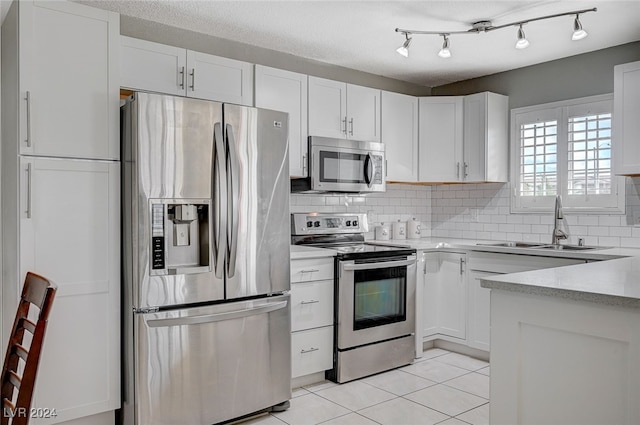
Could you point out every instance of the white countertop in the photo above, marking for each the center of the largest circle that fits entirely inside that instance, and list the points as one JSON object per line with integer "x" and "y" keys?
{"x": 615, "y": 281}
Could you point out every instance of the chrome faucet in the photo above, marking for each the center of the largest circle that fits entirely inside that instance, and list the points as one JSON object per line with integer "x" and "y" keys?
{"x": 558, "y": 234}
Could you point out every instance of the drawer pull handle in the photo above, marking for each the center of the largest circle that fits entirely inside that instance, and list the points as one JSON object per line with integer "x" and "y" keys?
{"x": 310, "y": 350}
{"x": 309, "y": 271}
{"x": 309, "y": 302}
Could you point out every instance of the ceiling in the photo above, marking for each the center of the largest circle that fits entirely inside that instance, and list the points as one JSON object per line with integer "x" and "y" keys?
{"x": 360, "y": 34}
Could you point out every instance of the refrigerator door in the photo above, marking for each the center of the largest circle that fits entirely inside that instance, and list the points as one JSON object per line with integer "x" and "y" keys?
{"x": 171, "y": 146}
{"x": 210, "y": 364}
{"x": 258, "y": 228}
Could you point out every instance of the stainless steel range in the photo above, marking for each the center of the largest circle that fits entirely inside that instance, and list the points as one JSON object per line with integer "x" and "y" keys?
{"x": 375, "y": 289}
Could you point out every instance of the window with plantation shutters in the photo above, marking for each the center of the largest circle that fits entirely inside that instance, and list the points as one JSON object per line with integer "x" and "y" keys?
{"x": 564, "y": 148}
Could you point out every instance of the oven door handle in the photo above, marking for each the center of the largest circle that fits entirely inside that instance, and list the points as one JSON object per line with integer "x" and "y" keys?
{"x": 386, "y": 264}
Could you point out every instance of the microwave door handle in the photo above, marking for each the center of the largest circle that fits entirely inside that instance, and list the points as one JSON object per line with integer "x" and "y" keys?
{"x": 369, "y": 170}
{"x": 220, "y": 197}
{"x": 234, "y": 195}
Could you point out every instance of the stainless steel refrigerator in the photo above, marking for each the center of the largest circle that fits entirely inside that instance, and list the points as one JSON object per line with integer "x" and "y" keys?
{"x": 206, "y": 260}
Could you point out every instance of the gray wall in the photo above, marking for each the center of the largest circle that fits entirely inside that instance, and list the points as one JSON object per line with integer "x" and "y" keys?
{"x": 147, "y": 30}
{"x": 568, "y": 78}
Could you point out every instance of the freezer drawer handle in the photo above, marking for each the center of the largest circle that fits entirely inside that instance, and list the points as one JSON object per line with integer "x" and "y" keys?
{"x": 310, "y": 350}
{"x": 217, "y": 317}
{"x": 370, "y": 266}
{"x": 188, "y": 270}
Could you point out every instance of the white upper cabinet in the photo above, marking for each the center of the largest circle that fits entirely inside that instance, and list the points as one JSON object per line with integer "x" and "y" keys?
{"x": 343, "y": 110}
{"x": 67, "y": 56}
{"x": 151, "y": 66}
{"x": 464, "y": 138}
{"x": 441, "y": 129}
{"x": 165, "y": 69}
{"x": 400, "y": 136}
{"x": 486, "y": 137}
{"x": 286, "y": 91}
{"x": 626, "y": 122}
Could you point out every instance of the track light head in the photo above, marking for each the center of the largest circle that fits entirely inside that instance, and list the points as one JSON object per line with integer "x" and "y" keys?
{"x": 578, "y": 32}
{"x": 404, "y": 49}
{"x": 522, "y": 42}
{"x": 445, "y": 52}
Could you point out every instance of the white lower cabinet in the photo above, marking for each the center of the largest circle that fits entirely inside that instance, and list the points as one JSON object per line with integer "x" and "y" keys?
{"x": 479, "y": 315}
{"x": 445, "y": 296}
{"x": 311, "y": 316}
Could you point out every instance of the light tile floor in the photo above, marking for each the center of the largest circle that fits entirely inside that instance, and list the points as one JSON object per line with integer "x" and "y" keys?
{"x": 440, "y": 388}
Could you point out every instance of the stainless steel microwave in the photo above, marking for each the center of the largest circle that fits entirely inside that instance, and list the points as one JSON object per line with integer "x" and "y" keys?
{"x": 342, "y": 165}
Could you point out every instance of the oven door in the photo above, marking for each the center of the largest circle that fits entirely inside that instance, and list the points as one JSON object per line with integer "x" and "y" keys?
{"x": 348, "y": 170}
{"x": 376, "y": 300}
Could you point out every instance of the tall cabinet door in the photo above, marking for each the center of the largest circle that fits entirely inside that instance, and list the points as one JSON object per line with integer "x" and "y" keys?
{"x": 327, "y": 108}
{"x": 452, "y": 307}
{"x": 626, "y": 154}
{"x": 363, "y": 113}
{"x": 155, "y": 67}
{"x": 400, "y": 136}
{"x": 221, "y": 79}
{"x": 67, "y": 58}
{"x": 287, "y": 92}
{"x": 441, "y": 131}
{"x": 70, "y": 233}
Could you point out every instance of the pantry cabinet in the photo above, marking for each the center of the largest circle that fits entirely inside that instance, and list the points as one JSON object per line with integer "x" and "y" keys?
{"x": 400, "y": 136}
{"x": 343, "y": 111}
{"x": 311, "y": 316}
{"x": 66, "y": 79}
{"x": 61, "y": 196}
{"x": 464, "y": 138}
{"x": 626, "y": 98}
{"x": 149, "y": 66}
{"x": 286, "y": 91}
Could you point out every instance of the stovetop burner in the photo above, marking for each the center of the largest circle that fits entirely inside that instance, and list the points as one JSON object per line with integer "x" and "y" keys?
{"x": 341, "y": 232}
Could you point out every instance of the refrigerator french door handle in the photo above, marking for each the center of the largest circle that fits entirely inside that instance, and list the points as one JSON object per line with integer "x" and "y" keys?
{"x": 217, "y": 317}
{"x": 234, "y": 194}
{"x": 220, "y": 189}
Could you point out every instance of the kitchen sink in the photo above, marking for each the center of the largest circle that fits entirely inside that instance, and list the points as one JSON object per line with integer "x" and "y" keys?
{"x": 515, "y": 244}
{"x": 568, "y": 247}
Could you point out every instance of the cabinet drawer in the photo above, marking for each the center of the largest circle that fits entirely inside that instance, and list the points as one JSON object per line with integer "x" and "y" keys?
{"x": 311, "y": 351}
{"x": 306, "y": 270}
{"x": 511, "y": 263}
{"x": 311, "y": 304}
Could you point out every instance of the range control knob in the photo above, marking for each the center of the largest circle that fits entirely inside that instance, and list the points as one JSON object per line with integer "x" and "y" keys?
{"x": 309, "y": 223}
{"x": 355, "y": 223}
{"x": 316, "y": 224}
{"x": 348, "y": 223}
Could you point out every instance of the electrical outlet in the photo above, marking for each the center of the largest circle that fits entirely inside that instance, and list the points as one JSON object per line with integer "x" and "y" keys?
{"x": 474, "y": 212}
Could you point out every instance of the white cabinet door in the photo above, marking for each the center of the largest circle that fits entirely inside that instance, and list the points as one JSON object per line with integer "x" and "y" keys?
{"x": 220, "y": 79}
{"x": 452, "y": 307}
{"x": 445, "y": 295}
{"x": 155, "y": 67}
{"x": 479, "y": 318}
{"x": 70, "y": 233}
{"x": 68, "y": 68}
{"x": 486, "y": 142}
{"x": 327, "y": 108}
{"x": 626, "y": 151}
{"x": 363, "y": 112}
{"x": 400, "y": 136}
{"x": 440, "y": 145}
{"x": 286, "y": 91}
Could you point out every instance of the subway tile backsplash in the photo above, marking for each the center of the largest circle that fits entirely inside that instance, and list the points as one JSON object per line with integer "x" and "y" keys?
{"x": 478, "y": 211}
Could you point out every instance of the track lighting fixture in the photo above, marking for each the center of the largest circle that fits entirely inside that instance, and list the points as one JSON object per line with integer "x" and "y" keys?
{"x": 485, "y": 26}
{"x": 445, "y": 52}
{"x": 522, "y": 42}
{"x": 404, "y": 49}
{"x": 578, "y": 32}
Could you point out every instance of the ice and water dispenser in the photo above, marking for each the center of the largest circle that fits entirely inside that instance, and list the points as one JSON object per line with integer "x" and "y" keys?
{"x": 180, "y": 242}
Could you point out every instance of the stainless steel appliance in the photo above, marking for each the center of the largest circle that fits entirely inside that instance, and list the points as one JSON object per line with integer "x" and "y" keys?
{"x": 375, "y": 289}
{"x": 342, "y": 165}
{"x": 206, "y": 261}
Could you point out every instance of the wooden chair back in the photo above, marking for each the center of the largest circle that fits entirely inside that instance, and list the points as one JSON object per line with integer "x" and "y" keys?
{"x": 23, "y": 352}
